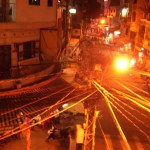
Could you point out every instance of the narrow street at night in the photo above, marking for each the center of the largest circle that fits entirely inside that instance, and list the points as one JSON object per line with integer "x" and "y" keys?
{"x": 105, "y": 124}
{"x": 74, "y": 74}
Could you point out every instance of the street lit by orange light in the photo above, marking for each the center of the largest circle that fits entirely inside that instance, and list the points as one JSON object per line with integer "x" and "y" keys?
{"x": 122, "y": 63}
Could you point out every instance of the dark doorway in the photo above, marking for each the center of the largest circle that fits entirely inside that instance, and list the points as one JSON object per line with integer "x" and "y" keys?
{"x": 27, "y": 48}
{"x": 5, "y": 61}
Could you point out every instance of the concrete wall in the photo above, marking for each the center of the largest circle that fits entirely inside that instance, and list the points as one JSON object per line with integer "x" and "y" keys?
{"x": 11, "y": 83}
{"x": 49, "y": 44}
{"x": 35, "y": 13}
{"x": 18, "y": 36}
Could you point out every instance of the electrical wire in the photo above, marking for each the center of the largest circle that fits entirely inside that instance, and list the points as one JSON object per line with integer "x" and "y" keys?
{"x": 127, "y": 105}
{"x": 107, "y": 145}
{"x": 67, "y": 100}
{"x": 113, "y": 114}
{"x": 23, "y": 127}
{"x": 139, "y": 129}
{"x": 140, "y": 97}
{"x": 141, "y": 90}
{"x": 33, "y": 102}
{"x": 140, "y": 121}
{"x": 133, "y": 99}
{"x": 105, "y": 96}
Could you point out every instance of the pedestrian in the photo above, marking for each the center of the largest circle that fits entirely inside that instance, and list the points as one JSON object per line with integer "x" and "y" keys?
{"x": 51, "y": 133}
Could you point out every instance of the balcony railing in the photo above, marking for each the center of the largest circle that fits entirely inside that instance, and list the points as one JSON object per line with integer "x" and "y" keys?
{"x": 23, "y": 71}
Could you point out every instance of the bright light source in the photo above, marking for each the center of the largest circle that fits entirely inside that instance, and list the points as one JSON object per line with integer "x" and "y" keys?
{"x": 64, "y": 105}
{"x": 132, "y": 62}
{"x": 116, "y": 32}
{"x": 125, "y": 12}
{"x": 107, "y": 28}
{"x": 72, "y": 10}
{"x": 110, "y": 35}
{"x": 122, "y": 63}
{"x": 102, "y": 21}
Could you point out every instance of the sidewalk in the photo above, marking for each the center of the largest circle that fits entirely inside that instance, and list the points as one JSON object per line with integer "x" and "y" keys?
{"x": 38, "y": 136}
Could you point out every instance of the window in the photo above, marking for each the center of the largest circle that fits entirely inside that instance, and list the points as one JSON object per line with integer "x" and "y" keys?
{"x": 29, "y": 49}
{"x": 134, "y": 1}
{"x": 34, "y": 2}
{"x": 50, "y": 2}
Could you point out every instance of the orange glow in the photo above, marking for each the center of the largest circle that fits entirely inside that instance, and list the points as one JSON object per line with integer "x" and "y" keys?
{"x": 122, "y": 63}
{"x": 102, "y": 21}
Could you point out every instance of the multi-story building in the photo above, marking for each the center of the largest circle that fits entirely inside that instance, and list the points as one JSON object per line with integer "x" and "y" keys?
{"x": 133, "y": 16}
{"x": 112, "y": 10}
{"x": 76, "y": 19}
{"x": 30, "y": 34}
{"x": 139, "y": 30}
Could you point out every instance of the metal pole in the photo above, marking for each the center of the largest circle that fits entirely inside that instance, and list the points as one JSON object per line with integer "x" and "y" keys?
{"x": 66, "y": 21}
{"x": 90, "y": 124}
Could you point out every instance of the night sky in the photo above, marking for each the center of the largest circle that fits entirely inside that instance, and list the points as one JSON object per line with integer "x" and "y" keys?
{"x": 93, "y": 9}
{"x": 115, "y": 3}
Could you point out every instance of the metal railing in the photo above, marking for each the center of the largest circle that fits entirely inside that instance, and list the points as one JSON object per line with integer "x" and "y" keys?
{"x": 23, "y": 71}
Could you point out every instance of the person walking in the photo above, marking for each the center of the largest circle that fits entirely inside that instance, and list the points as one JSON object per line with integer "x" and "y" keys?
{"x": 51, "y": 133}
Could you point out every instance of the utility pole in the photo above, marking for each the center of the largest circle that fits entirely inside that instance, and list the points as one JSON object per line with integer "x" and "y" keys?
{"x": 66, "y": 21}
{"x": 91, "y": 114}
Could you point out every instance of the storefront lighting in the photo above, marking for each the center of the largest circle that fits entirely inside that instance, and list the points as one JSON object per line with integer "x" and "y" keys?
{"x": 110, "y": 35}
{"x": 102, "y": 21}
{"x": 125, "y": 12}
{"x": 129, "y": 45}
{"x": 72, "y": 10}
{"x": 107, "y": 28}
{"x": 116, "y": 32}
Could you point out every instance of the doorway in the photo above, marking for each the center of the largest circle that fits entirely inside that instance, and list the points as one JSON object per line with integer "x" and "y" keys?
{"x": 5, "y": 61}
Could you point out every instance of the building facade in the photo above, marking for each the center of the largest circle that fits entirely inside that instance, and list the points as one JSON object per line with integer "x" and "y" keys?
{"x": 133, "y": 17}
{"x": 139, "y": 31}
{"x": 30, "y": 34}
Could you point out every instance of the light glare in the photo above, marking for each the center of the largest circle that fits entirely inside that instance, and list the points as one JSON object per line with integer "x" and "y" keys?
{"x": 72, "y": 11}
{"x": 122, "y": 64}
